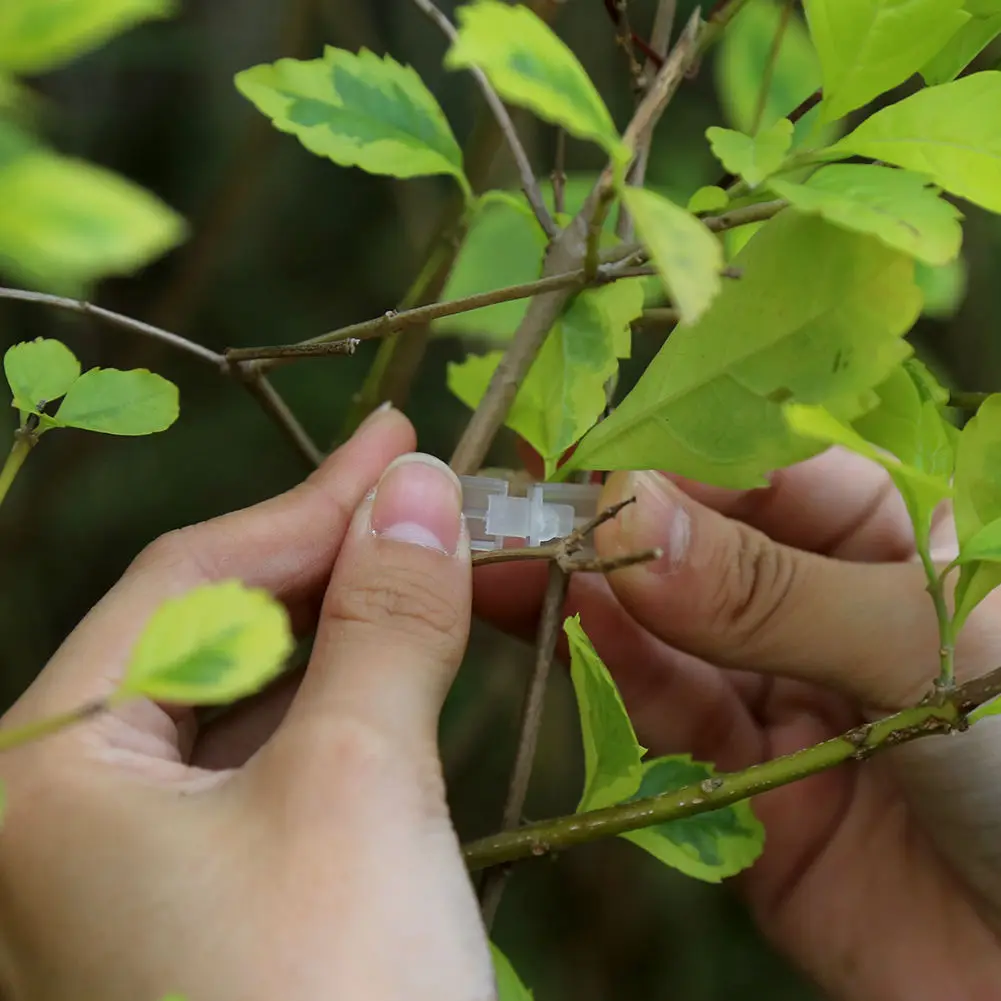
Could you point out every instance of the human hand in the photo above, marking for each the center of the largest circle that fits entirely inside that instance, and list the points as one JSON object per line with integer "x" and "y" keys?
{"x": 779, "y": 618}
{"x": 300, "y": 848}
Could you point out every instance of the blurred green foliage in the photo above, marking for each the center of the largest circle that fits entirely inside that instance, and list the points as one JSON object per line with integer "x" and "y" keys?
{"x": 283, "y": 246}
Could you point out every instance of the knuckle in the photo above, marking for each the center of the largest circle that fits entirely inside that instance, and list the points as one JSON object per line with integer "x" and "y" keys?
{"x": 402, "y": 600}
{"x": 174, "y": 548}
{"x": 755, "y": 583}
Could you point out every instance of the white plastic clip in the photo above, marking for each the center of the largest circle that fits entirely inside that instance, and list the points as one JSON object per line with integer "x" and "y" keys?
{"x": 547, "y": 511}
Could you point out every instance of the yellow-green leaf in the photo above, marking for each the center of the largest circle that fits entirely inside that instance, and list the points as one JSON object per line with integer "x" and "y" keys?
{"x": 971, "y": 39}
{"x": 37, "y": 35}
{"x": 817, "y": 317}
{"x": 977, "y": 502}
{"x": 896, "y": 206}
{"x": 509, "y": 985}
{"x": 867, "y": 47}
{"x": 943, "y": 287}
{"x": 528, "y": 65}
{"x": 39, "y": 372}
{"x": 612, "y": 755}
{"x": 65, "y": 223}
{"x": 709, "y": 846}
{"x": 708, "y": 199}
{"x": 752, "y": 157}
{"x": 688, "y": 256}
{"x": 950, "y": 133}
{"x": 358, "y": 110}
{"x": 215, "y": 644}
{"x": 109, "y": 401}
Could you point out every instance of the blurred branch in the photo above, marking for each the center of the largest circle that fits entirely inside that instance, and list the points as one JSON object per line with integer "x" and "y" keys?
{"x": 256, "y": 383}
{"x": 967, "y": 401}
{"x": 935, "y": 715}
{"x": 769, "y": 73}
{"x": 529, "y": 183}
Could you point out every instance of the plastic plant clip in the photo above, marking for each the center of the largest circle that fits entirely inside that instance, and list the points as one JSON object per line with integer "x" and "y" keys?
{"x": 498, "y": 519}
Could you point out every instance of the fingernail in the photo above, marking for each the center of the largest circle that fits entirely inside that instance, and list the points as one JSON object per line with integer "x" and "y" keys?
{"x": 375, "y": 416}
{"x": 658, "y": 520}
{"x": 419, "y": 500}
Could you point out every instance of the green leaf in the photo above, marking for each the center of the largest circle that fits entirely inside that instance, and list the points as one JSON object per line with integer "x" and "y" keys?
{"x": 509, "y": 985}
{"x": 922, "y": 490}
{"x": 971, "y": 39}
{"x": 741, "y": 67}
{"x": 215, "y": 644}
{"x": 359, "y": 111}
{"x": 710, "y": 846}
{"x": 688, "y": 256}
{"x": 65, "y": 223}
{"x": 867, "y": 47}
{"x": 708, "y": 199}
{"x": 612, "y": 755}
{"x": 943, "y": 287}
{"x": 39, "y": 372}
{"x": 984, "y": 545}
{"x": 528, "y": 65}
{"x": 125, "y": 403}
{"x": 752, "y": 157}
{"x": 951, "y": 133}
{"x": 896, "y": 206}
{"x": 37, "y": 35}
{"x": 816, "y": 317}
{"x": 977, "y": 503}
{"x": 564, "y": 392}
{"x": 504, "y": 247}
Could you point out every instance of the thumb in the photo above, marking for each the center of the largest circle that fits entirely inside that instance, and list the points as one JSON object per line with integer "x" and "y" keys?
{"x": 395, "y": 619}
{"x": 729, "y": 593}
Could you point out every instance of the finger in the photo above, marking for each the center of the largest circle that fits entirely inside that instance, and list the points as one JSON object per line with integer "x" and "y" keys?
{"x": 395, "y": 618}
{"x": 286, "y": 545}
{"x": 727, "y": 592}
{"x": 836, "y": 503}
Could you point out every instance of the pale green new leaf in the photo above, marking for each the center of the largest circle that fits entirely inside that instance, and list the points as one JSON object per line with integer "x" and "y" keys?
{"x": 509, "y": 985}
{"x": 896, "y": 206}
{"x": 943, "y": 287}
{"x": 709, "y": 846}
{"x": 564, "y": 392}
{"x": 752, "y": 157}
{"x": 977, "y": 504}
{"x": 971, "y": 39}
{"x": 39, "y": 372}
{"x": 37, "y": 35}
{"x": 612, "y": 755}
{"x": 65, "y": 223}
{"x": 688, "y": 256}
{"x": 922, "y": 491}
{"x": 950, "y": 133}
{"x": 109, "y": 401}
{"x": 817, "y": 317}
{"x": 528, "y": 65}
{"x": 359, "y": 110}
{"x": 708, "y": 199}
{"x": 741, "y": 68}
{"x": 867, "y": 47}
{"x": 215, "y": 644}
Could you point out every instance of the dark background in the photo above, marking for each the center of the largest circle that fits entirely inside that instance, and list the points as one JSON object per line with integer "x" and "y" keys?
{"x": 286, "y": 246}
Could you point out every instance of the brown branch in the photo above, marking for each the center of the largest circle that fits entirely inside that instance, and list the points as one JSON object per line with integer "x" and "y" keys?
{"x": 529, "y": 183}
{"x": 274, "y": 405}
{"x": 559, "y": 174}
{"x": 625, "y": 36}
{"x": 758, "y": 212}
{"x": 935, "y": 715}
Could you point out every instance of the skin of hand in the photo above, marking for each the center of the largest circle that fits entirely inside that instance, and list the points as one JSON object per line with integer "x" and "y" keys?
{"x": 301, "y": 849}
{"x": 779, "y": 618}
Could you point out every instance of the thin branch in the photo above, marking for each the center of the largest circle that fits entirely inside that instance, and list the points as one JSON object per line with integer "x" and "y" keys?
{"x": 529, "y": 183}
{"x": 769, "y": 73}
{"x": 967, "y": 401}
{"x": 936, "y": 715}
{"x": 758, "y": 212}
{"x": 275, "y": 407}
{"x": 559, "y": 175}
{"x": 117, "y": 320}
{"x": 805, "y": 106}
{"x": 624, "y": 33}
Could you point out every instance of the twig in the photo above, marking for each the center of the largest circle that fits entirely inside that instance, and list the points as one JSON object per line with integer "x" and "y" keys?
{"x": 116, "y": 320}
{"x": 758, "y": 212}
{"x": 769, "y": 73}
{"x": 529, "y": 183}
{"x": 967, "y": 401}
{"x": 936, "y": 715}
{"x": 275, "y": 406}
{"x": 805, "y": 106}
{"x": 559, "y": 175}
{"x": 624, "y": 32}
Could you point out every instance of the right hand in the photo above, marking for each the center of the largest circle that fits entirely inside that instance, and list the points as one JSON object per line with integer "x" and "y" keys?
{"x": 777, "y": 619}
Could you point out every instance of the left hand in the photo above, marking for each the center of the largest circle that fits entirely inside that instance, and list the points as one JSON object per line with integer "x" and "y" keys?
{"x": 297, "y": 850}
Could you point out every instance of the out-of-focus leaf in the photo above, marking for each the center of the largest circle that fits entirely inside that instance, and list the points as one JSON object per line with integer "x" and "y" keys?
{"x": 752, "y": 157}
{"x": 509, "y": 985}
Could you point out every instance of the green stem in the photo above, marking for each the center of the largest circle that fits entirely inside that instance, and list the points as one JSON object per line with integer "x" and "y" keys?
{"x": 23, "y": 443}
{"x": 936, "y": 715}
{"x": 947, "y": 640}
{"x": 20, "y": 735}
